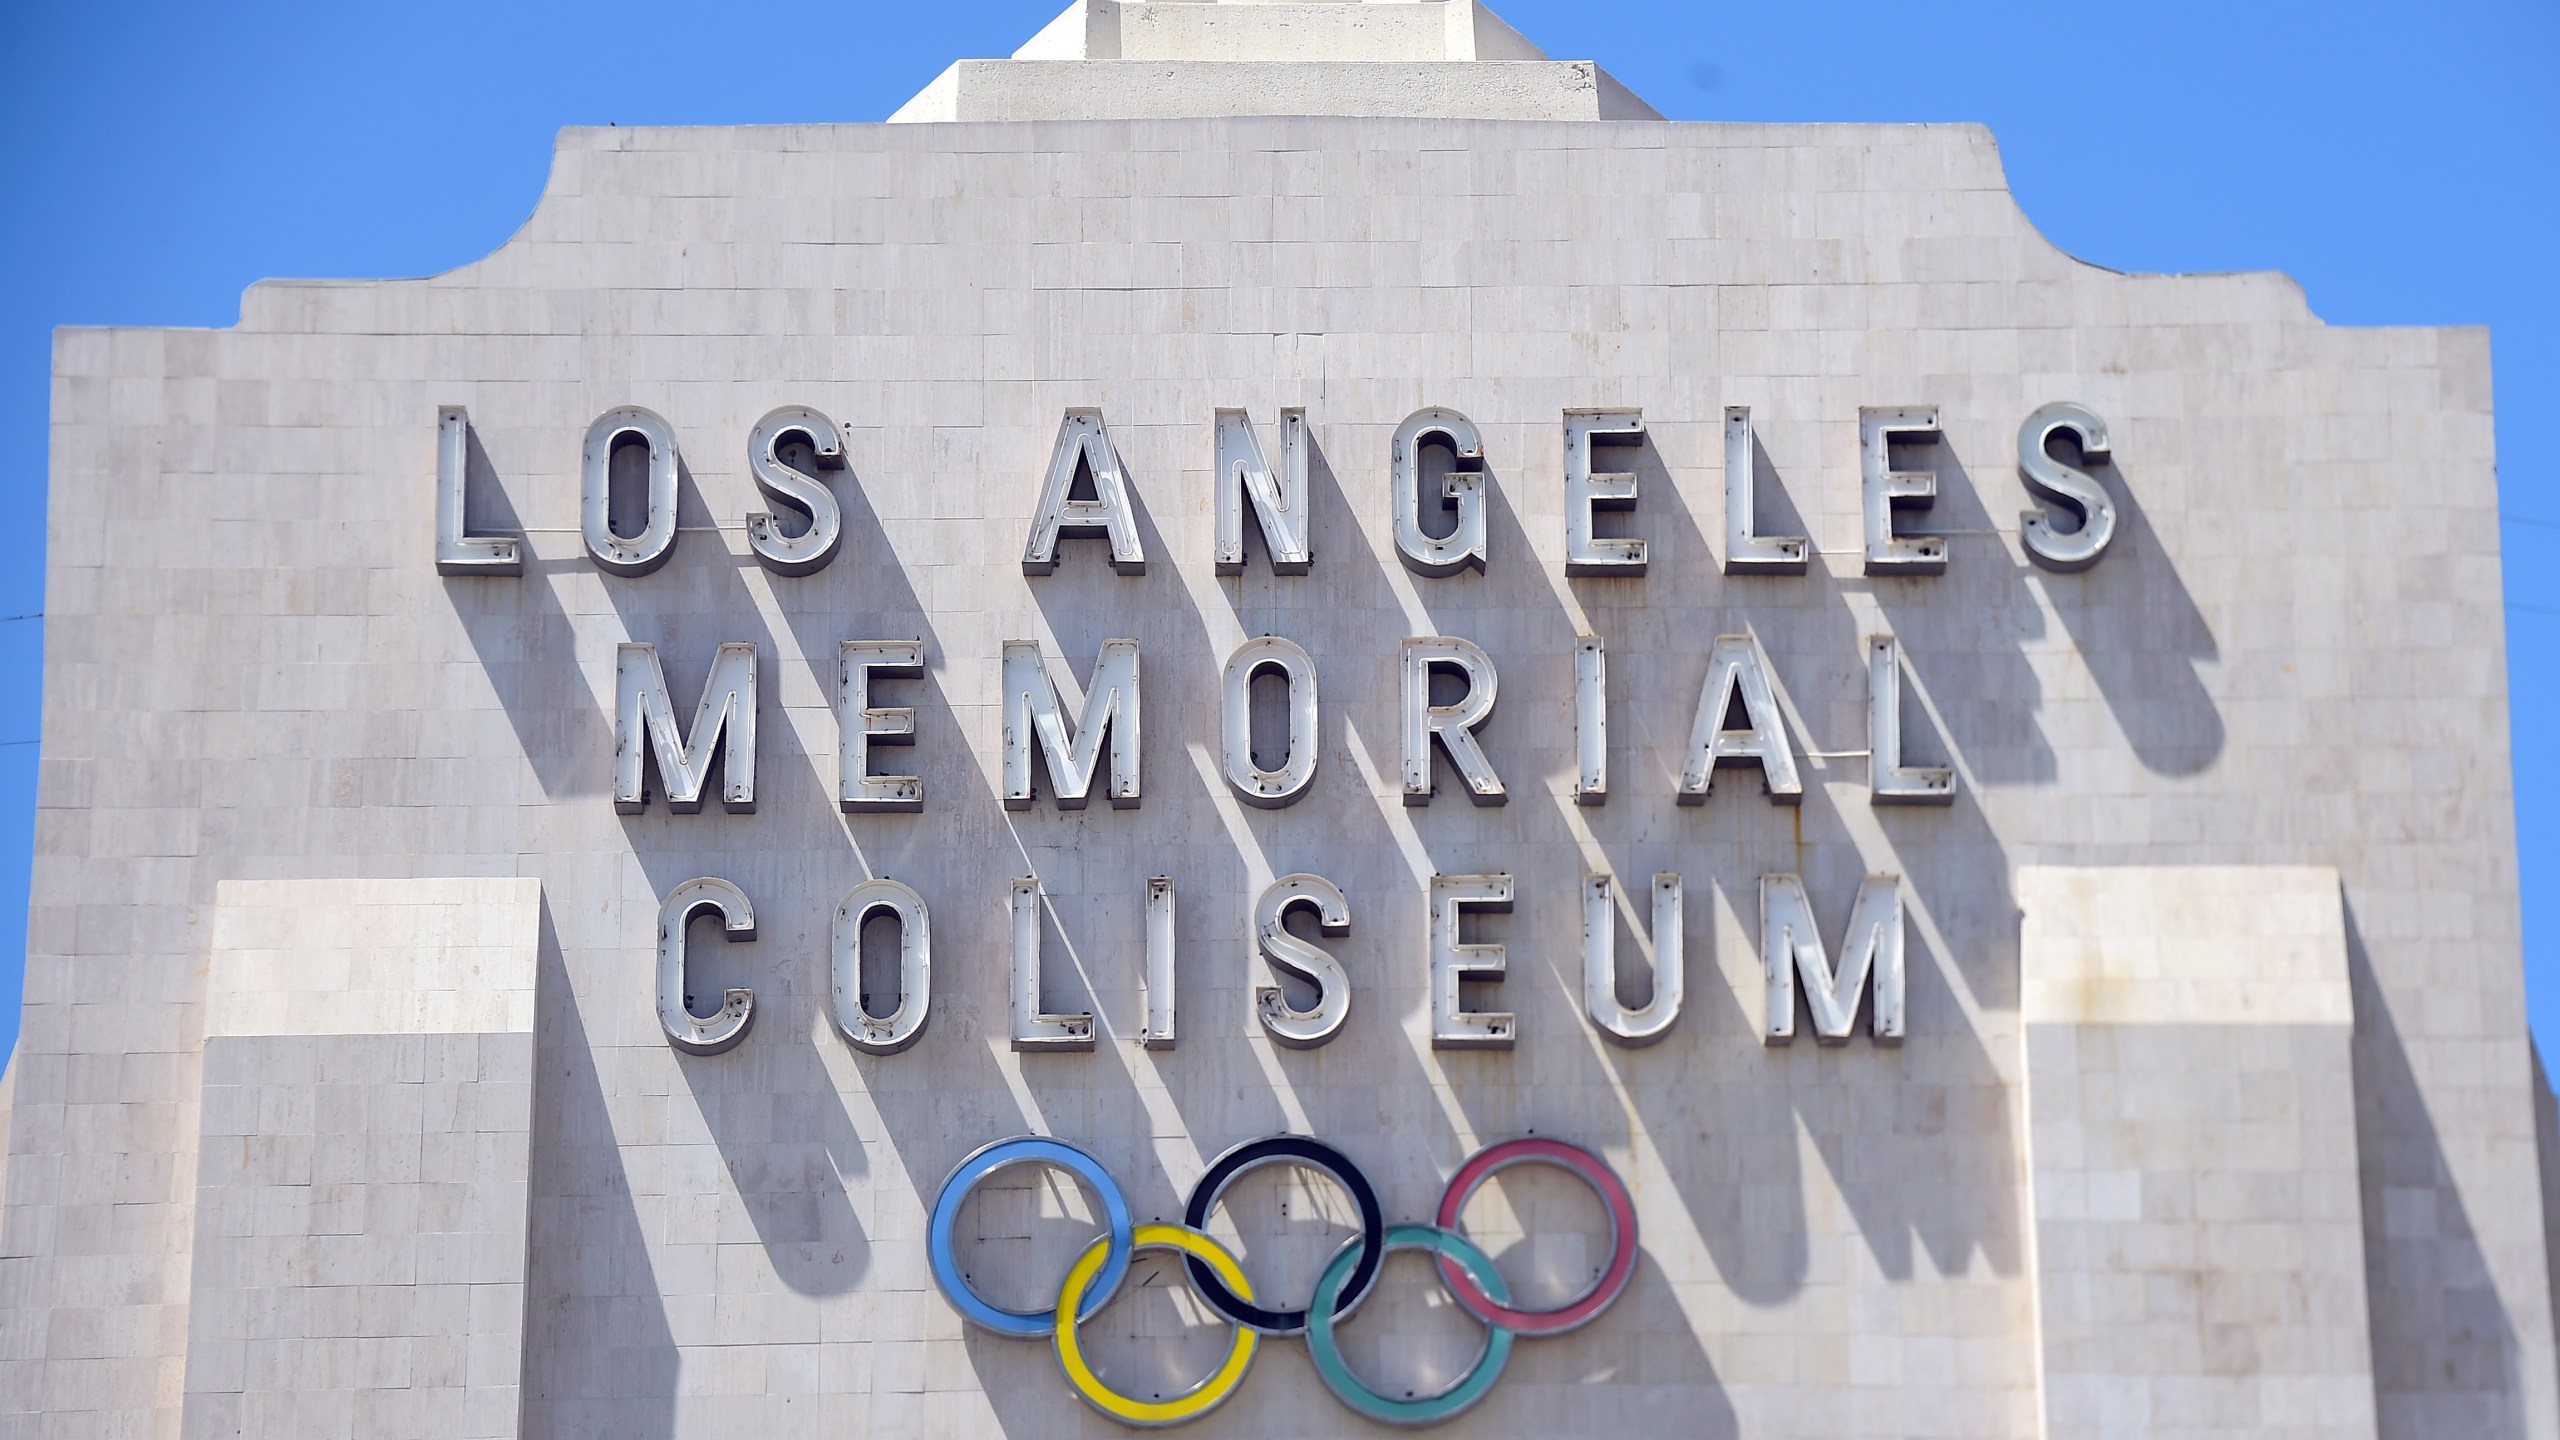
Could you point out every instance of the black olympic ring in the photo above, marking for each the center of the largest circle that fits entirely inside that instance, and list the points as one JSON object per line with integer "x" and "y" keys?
{"x": 1285, "y": 1150}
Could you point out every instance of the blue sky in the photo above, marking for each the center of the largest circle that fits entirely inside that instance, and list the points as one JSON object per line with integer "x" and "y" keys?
{"x": 2396, "y": 159}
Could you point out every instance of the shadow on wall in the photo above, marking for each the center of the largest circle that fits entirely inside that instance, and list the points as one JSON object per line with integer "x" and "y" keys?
{"x": 1652, "y": 1378}
{"x": 782, "y": 1130}
{"x": 2129, "y": 618}
{"x": 1366, "y": 1090}
{"x": 599, "y": 1358}
{"x": 1970, "y": 694}
{"x": 1876, "y": 1115}
{"x": 528, "y": 648}
{"x": 791, "y": 1153}
{"x": 2444, "y": 1352}
{"x": 2141, "y": 635}
{"x": 1092, "y": 863}
{"x": 1968, "y": 634}
{"x": 1370, "y": 1090}
{"x": 928, "y": 1117}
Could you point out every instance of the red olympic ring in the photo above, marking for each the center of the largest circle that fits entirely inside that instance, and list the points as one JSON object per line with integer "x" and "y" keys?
{"x": 1595, "y": 1173}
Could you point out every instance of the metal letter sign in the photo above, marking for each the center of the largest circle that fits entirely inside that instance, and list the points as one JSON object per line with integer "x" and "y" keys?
{"x": 2053, "y": 480}
{"x": 1586, "y": 552}
{"x": 860, "y": 724}
{"x": 1303, "y": 959}
{"x": 1082, "y": 438}
{"x": 1448, "y": 554}
{"x": 1590, "y": 721}
{"x": 895, "y": 1031}
{"x": 1616, "y": 1020}
{"x": 1889, "y": 492}
{"x": 694, "y": 1034}
{"x": 1746, "y": 550}
{"x": 1791, "y": 945}
{"x": 808, "y": 552}
{"x": 1279, "y": 501}
{"x": 644, "y": 726}
{"x": 1735, "y": 671}
{"x": 1160, "y": 974}
{"x": 1033, "y": 720}
{"x": 1889, "y": 781}
{"x": 1454, "y": 724}
{"x": 1033, "y": 1027}
{"x": 1741, "y": 721}
{"x": 1270, "y": 789}
{"x": 639, "y": 554}
{"x": 1455, "y": 961}
{"x": 457, "y": 551}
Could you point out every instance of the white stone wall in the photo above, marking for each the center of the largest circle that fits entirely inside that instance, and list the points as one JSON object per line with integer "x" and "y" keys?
{"x": 2192, "y": 1136}
{"x": 2292, "y": 657}
{"x": 361, "y": 1197}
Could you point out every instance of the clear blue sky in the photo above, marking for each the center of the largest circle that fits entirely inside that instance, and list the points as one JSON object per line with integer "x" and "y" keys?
{"x": 2397, "y": 159}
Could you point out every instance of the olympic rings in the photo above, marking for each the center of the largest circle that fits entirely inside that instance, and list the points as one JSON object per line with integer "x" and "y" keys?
{"x": 1452, "y": 1248}
{"x": 1200, "y": 1399}
{"x": 1464, "y": 1268}
{"x": 1003, "y": 1154}
{"x": 1495, "y": 1309}
{"x": 1286, "y": 1150}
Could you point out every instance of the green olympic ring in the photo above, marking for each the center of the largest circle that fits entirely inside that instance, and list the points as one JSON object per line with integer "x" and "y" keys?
{"x": 1350, "y": 1389}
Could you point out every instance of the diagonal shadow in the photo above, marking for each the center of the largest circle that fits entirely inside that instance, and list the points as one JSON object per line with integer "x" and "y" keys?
{"x": 2444, "y": 1351}
{"x": 528, "y": 647}
{"x": 2132, "y": 620}
{"x": 600, "y": 1358}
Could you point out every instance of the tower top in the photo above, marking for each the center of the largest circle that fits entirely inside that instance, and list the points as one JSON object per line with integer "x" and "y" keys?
{"x": 1163, "y": 59}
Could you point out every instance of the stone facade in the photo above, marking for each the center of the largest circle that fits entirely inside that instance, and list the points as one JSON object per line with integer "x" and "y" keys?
{"x": 2199, "y": 1237}
{"x": 360, "y": 1201}
{"x": 2096, "y": 1190}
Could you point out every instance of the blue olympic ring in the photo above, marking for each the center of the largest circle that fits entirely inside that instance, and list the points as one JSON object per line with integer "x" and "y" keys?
{"x": 1027, "y": 1150}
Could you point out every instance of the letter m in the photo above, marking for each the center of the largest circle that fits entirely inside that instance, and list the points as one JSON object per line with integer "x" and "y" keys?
{"x": 1033, "y": 719}
{"x": 644, "y": 724}
{"x": 1791, "y": 946}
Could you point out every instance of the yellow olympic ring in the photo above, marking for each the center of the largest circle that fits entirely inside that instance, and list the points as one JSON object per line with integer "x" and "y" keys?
{"x": 1201, "y": 1398}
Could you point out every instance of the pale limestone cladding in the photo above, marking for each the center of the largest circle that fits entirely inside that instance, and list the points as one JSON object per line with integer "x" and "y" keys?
{"x": 2292, "y": 657}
